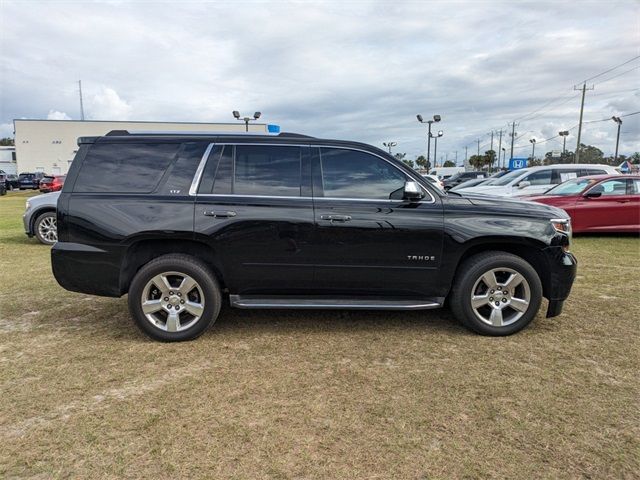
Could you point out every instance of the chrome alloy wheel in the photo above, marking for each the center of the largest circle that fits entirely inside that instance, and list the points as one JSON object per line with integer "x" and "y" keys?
{"x": 172, "y": 301}
{"x": 500, "y": 297}
{"x": 48, "y": 229}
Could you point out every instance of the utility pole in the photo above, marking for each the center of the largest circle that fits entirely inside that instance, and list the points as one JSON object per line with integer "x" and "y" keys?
{"x": 584, "y": 90}
{"x": 81, "y": 104}
{"x": 513, "y": 135}
{"x": 466, "y": 154}
{"x": 499, "y": 147}
{"x": 456, "y": 158}
{"x": 618, "y": 120}
{"x": 478, "y": 146}
{"x": 492, "y": 156}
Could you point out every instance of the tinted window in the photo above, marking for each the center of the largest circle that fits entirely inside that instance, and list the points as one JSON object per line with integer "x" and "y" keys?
{"x": 611, "y": 188}
{"x": 266, "y": 170}
{"x": 124, "y": 167}
{"x": 224, "y": 172}
{"x": 353, "y": 174}
{"x": 594, "y": 171}
{"x": 543, "y": 177}
{"x": 181, "y": 173}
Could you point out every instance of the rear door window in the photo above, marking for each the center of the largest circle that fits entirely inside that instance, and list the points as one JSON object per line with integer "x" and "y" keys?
{"x": 542, "y": 177}
{"x": 125, "y": 167}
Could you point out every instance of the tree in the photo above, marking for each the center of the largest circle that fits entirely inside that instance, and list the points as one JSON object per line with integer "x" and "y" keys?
{"x": 635, "y": 158}
{"x": 449, "y": 163}
{"x": 408, "y": 162}
{"x": 477, "y": 161}
{"x": 490, "y": 157}
{"x": 7, "y": 142}
{"x": 422, "y": 162}
{"x": 590, "y": 154}
{"x": 400, "y": 156}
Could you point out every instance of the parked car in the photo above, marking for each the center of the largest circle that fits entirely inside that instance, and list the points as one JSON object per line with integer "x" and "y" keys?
{"x": 52, "y": 183}
{"x": 537, "y": 180}
{"x": 11, "y": 181}
{"x": 460, "y": 177}
{"x": 30, "y": 180}
{"x": 291, "y": 221}
{"x": 602, "y": 203}
{"x": 39, "y": 218}
{"x": 435, "y": 181}
{"x": 478, "y": 181}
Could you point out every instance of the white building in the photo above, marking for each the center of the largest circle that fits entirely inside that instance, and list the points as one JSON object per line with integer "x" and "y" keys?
{"x": 50, "y": 145}
{"x": 8, "y": 159}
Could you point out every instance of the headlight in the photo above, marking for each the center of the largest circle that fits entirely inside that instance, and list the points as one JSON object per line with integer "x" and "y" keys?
{"x": 562, "y": 225}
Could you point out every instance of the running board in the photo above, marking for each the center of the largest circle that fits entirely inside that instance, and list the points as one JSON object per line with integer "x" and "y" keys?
{"x": 323, "y": 302}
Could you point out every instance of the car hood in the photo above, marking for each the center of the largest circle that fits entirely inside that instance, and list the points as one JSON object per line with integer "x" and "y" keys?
{"x": 44, "y": 199}
{"x": 514, "y": 206}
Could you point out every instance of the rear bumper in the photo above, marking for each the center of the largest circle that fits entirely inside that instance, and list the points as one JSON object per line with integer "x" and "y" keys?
{"x": 86, "y": 269}
{"x": 562, "y": 273}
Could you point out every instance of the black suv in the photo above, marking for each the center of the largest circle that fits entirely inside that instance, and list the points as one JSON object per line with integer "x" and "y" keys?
{"x": 180, "y": 222}
{"x": 458, "y": 178}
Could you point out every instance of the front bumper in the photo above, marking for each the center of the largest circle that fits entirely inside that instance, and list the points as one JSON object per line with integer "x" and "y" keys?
{"x": 562, "y": 272}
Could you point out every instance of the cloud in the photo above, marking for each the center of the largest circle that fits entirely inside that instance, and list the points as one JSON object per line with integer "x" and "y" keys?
{"x": 56, "y": 115}
{"x": 106, "y": 104}
{"x": 356, "y": 70}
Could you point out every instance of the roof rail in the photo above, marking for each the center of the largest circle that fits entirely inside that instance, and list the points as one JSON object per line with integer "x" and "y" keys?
{"x": 294, "y": 135}
{"x": 117, "y": 133}
{"x": 120, "y": 133}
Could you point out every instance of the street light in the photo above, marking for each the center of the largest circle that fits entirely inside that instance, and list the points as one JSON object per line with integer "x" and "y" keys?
{"x": 246, "y": 120}
{"x": 533, "y": 151}
{"x": 389, "y": 145}
{"x": 435, "y": 144}
{"x": 564, "y": 134}
{"x": 504, "y": 156}
{"x": 618, "y": 120}
{"x": 436, "y": 119}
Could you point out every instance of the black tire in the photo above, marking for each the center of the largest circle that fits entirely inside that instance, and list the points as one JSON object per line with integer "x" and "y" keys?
{"x": 46, "y": 235}
{"x": 183, "y": 264}
{"x": 471, "y": 270}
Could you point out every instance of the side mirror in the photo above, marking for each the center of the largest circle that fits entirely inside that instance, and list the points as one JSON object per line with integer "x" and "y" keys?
{"x": 592, "y": 194}
{"x": 412, "y": 191}
{"x": 524, "y": 184}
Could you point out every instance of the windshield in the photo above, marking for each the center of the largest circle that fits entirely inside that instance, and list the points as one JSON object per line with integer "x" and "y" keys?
{"x": 571, "y": 187}
{"x": 506, "y": 178}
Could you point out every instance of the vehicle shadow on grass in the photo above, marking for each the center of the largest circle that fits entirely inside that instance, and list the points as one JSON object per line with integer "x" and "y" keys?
{"x": 20, "y": 239}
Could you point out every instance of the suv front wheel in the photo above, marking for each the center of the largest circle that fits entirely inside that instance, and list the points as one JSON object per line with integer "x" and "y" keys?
{"x": 496, "y": 293}
{"x": 174, "y": 298}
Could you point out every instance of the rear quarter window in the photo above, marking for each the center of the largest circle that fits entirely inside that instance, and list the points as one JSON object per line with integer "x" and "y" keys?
{"x": 124, "y": 167}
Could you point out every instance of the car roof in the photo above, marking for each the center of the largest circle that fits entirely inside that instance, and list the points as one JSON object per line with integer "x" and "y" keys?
{"x": 569, "y": 166}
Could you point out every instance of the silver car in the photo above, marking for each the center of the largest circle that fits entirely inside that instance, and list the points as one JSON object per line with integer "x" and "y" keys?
{"x": 40, "y": 218}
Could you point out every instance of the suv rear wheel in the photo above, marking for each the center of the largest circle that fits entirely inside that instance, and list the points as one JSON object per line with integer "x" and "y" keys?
{"x": 496, "y": 293}
{"x": 174, "y": 298}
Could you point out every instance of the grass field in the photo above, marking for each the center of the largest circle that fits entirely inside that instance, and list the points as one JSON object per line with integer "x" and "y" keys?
{"x": 317, "y": 394}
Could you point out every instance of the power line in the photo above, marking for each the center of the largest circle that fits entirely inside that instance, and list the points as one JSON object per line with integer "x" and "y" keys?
{"x": 610, "y": 70}
{"x": 619, "y": 75}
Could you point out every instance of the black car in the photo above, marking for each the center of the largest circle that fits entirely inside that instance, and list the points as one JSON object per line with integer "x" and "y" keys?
{"x": 30, "y": 180}
{"x": 460, "y": 177}
{"x": 180, "y": 222}
{"x": 12, "y": 182}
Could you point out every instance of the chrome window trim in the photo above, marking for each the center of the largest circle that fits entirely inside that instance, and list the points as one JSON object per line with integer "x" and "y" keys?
{"x": 196, "y": 180}
{"x": 195, "y": 183}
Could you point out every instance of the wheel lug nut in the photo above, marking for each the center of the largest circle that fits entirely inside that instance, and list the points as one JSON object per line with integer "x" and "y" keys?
{"x": 505, "y": 292}
{"x": 181, "y": 301}
{"x": 170, "y": 293}
{"x": 166, "y": 299}
{"x": 491, "y": 299}
{"x": 179, "y": 294}
{"x": 497, "y": 304}
{"x": 492, "y": 291}
{"x": 169, "y": 307}
{"x": 504, "y": 300}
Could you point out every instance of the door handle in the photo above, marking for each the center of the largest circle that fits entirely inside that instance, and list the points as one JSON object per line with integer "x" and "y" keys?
{"x": 211, "y": 213}
{"x": 336, "y": 218}
{"x": 623, "y": 201}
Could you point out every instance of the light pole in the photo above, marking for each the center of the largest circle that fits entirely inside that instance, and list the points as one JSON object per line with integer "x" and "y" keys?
{"x": 618, "y": 120}
{"x": 435, "y": 144}
{"x": 389, "y": 145}
{"x": 533, "y": 150}
{"x": 246, "y": 120}
{"x": 504, "y": 156}
{"x": 564, "y": 134}
{"x": 436, "y": 119}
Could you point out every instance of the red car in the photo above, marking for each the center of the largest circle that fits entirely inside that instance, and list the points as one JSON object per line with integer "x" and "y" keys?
{"x": 599, "y": 203}
{"x": 52, "y": 183}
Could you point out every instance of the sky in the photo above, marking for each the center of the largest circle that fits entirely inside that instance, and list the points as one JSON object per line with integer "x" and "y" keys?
{"x": 356, "y": 70}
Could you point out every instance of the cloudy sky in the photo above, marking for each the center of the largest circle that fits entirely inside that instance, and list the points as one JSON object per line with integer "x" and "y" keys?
{"x": 356, "y": 70}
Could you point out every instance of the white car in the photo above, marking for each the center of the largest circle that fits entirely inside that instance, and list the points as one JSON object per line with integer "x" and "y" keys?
{"x": 536, "y": 180}
{"x": 434, "y": 180}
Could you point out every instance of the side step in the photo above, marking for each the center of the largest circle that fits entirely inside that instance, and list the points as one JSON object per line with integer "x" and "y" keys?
{"x": 323, "y": 302}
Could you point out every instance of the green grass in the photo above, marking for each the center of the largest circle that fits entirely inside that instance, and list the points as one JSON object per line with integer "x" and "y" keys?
{"x": 317, "y": 394}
